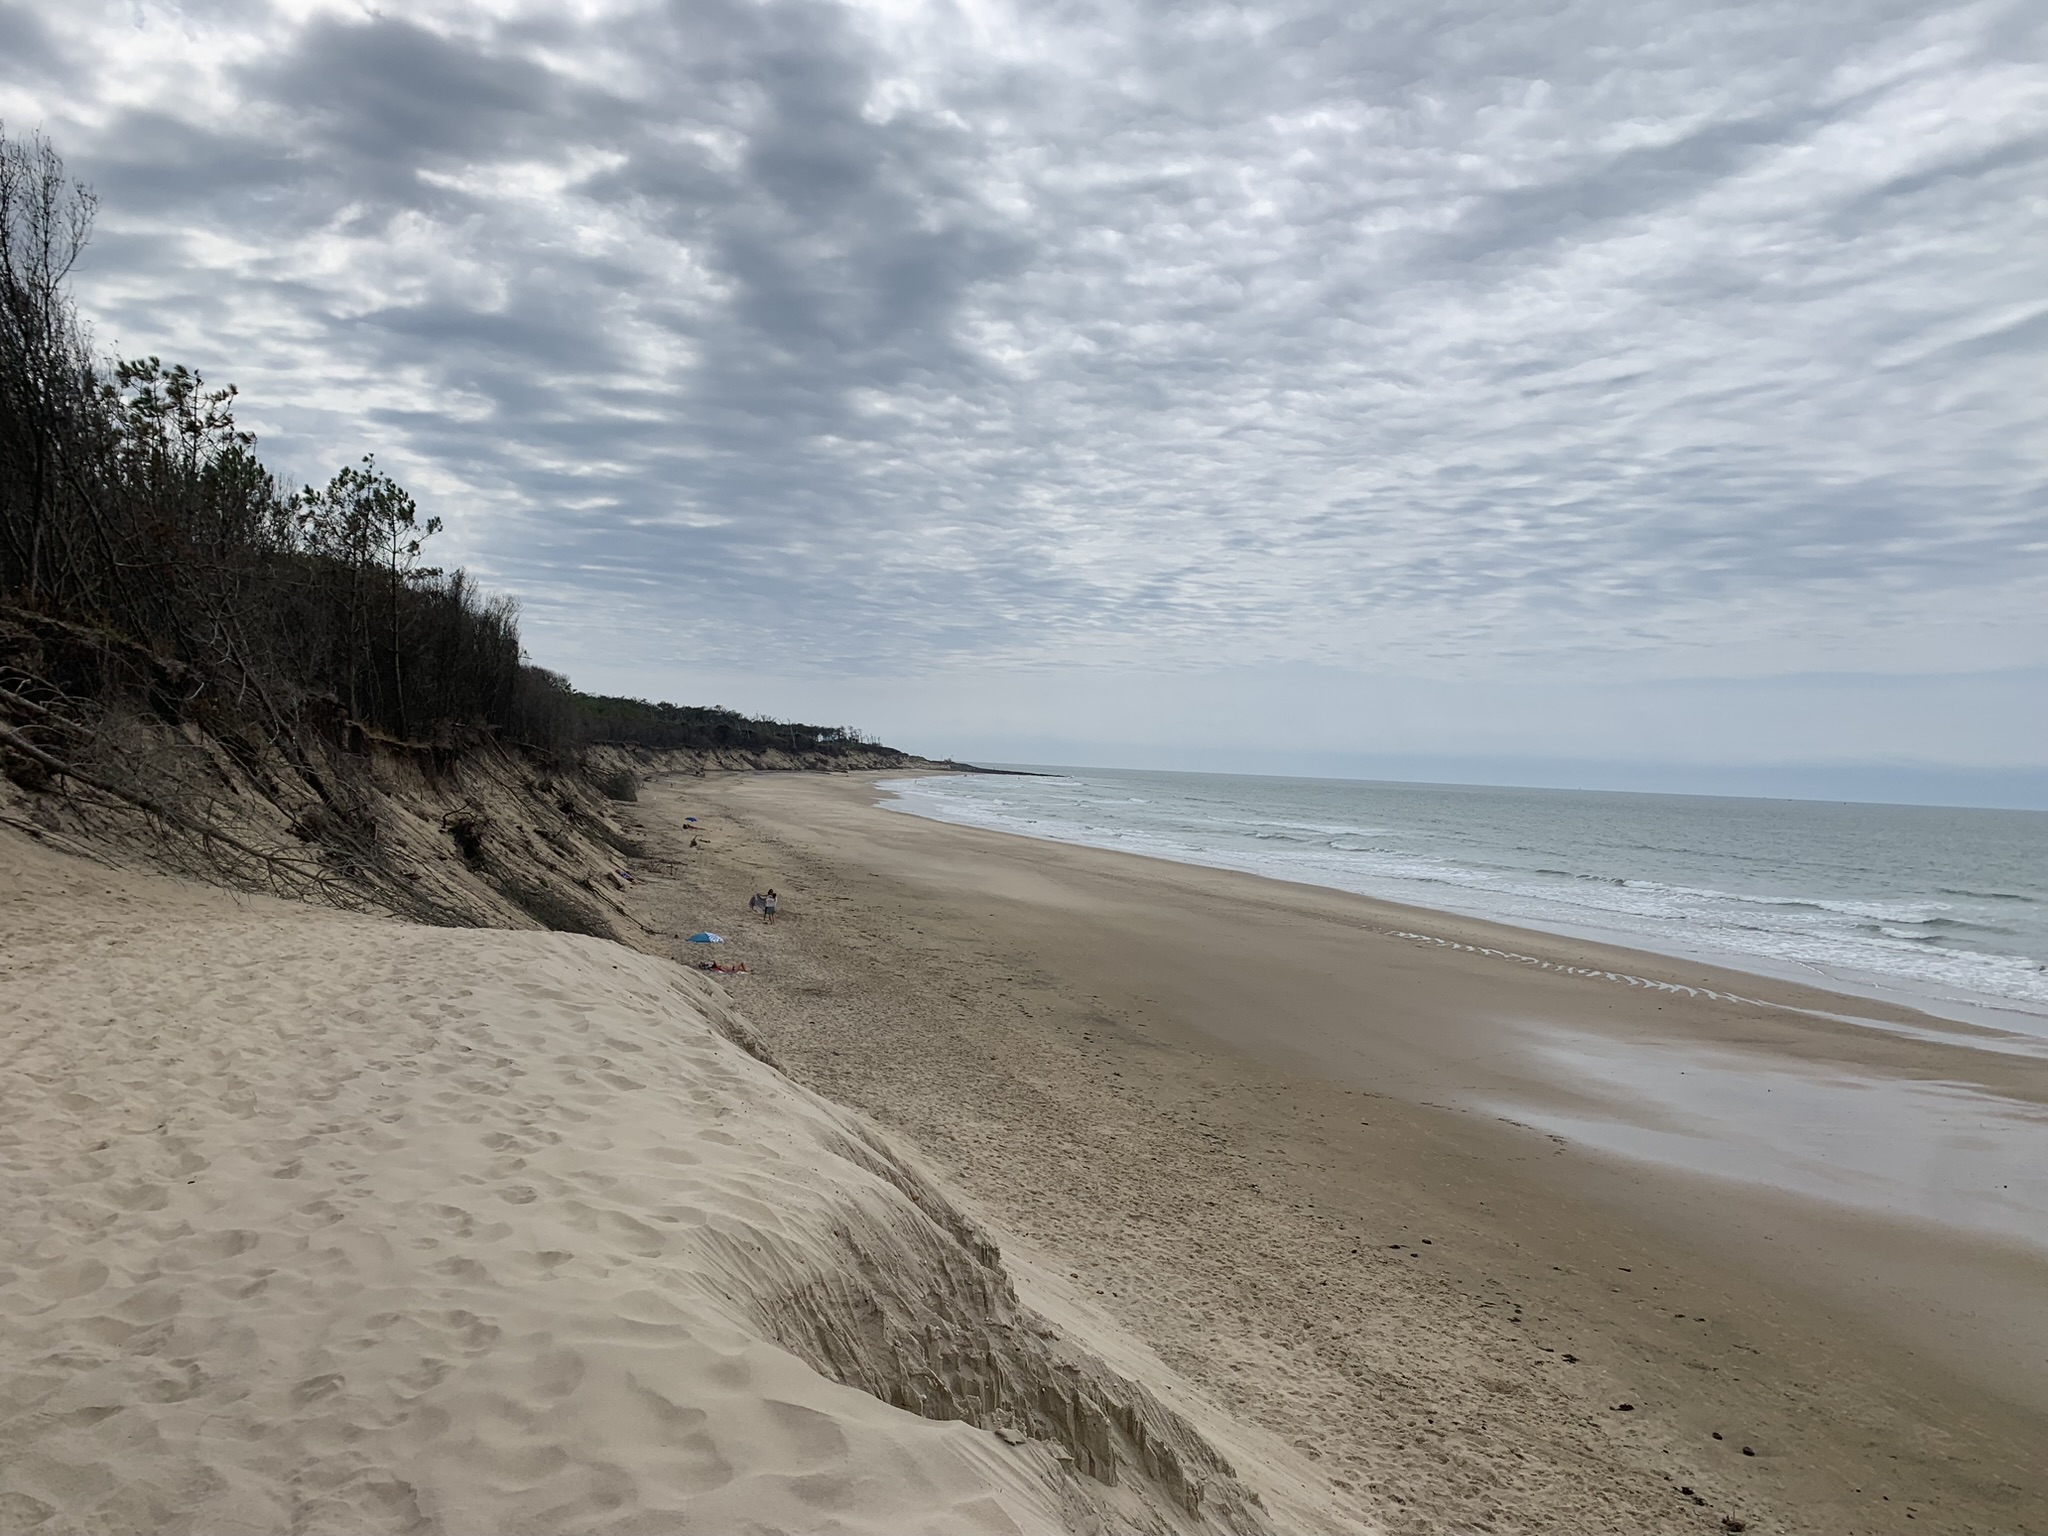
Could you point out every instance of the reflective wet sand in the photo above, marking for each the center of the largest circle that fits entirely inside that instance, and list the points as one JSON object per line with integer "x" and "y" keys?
{"x": 1949, "y": 1154}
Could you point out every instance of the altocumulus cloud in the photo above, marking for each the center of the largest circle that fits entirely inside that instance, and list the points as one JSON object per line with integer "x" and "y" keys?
{"x": 793, "y": 335}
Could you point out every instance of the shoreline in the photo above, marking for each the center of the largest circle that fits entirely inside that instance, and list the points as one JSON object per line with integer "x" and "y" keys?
{"x": 1096, "y": 1048}
{"x": 1611, "y": 960}
{"x": 1980, "y": 1010}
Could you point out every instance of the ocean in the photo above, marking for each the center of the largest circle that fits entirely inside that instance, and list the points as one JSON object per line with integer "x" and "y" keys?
{"x": 1939, "y": 906}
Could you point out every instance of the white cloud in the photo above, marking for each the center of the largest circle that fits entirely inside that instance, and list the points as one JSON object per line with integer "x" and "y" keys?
{"x": 1635, "y": 340}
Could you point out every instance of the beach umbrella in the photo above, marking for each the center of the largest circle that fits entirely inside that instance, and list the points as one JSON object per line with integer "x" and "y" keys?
{"x": 704, "y": 938}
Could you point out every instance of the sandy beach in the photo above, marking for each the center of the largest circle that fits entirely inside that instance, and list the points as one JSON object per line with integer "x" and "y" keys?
{"x": 529, "y": 1007}
{"x": 1013, "y": 1187}
{"x": 1305, "y": 1146}
{"x": 327, "y": 1223}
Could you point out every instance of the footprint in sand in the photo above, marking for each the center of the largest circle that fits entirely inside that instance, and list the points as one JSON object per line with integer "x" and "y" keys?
{"x": 557, "y": 1372}
{"x": 611, "y": 1486}
{"x": 634, "y": 1235}
{"x": 151, "y": 1304}
{"x": 139, "y": 1197}
{"x": 691, "y": 1454}
{"x": 317, "y": 1388}
{"x": 471, "y": 1333}
{"x": 809, "y": 1433}
{"x": 324, "y": 1212}
{"x": 456, "y": 1219}
{"x": 177, "y": 1385}
{"x": 69, "y": 1278}
{"x": 424, "y": 1377}
{"x": 78, "y": 1418}
{"x": 822, "y": 1490}
{"x": 193, "y": 1250}
{"x": 19, "y": 1512}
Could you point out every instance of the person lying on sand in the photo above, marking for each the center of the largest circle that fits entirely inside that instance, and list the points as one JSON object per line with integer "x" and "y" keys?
{"x": 737, "y": 968}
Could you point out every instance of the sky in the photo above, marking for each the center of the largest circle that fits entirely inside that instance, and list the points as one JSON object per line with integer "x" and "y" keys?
{"x": 1609, "y": 391}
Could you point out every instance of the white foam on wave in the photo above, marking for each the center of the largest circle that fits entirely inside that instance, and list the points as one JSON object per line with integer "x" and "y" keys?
{"x": 1920, "y": 944}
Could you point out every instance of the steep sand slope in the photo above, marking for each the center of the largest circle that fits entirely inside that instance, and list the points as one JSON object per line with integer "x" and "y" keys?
{"x": 323, "y": 1223}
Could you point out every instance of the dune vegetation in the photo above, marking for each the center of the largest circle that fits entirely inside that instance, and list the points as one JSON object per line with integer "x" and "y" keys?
{"x": 182, "y": 634}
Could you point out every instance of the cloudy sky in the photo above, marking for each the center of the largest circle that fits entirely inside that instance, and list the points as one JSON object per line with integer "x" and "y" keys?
{"x": 1302, "y": 384}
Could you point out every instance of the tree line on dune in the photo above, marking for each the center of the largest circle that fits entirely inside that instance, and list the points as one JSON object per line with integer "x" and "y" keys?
{"x": 145, "y": 548}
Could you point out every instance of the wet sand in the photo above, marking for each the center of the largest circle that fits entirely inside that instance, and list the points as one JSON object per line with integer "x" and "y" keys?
{"x": 1429, "y": 1198}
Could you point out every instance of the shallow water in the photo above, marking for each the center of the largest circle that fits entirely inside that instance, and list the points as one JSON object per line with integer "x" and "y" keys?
{"x": 1936, "y": 904}
{"x": 1941, "y": 1152}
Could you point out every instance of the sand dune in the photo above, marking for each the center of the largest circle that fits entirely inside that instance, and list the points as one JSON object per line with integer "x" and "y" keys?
{"x": 321, "y": 1223}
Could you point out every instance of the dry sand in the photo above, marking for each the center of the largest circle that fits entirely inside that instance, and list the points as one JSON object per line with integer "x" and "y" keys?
{"x": 324, "y": 1223}
{"x": 320, "y": 1223}
{"x": 1273, "y": 1132}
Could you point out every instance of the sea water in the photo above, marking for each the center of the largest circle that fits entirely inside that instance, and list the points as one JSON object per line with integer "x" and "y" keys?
{"x": 1941, "y": 906}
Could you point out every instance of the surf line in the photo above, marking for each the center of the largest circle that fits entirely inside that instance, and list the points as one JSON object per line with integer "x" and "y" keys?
{"x": 1580, "y": 970}
{"x": 2002, "y": 1041}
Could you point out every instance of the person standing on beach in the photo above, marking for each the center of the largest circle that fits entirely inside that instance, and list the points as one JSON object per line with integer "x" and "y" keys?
{"x": 768, "y": 903}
